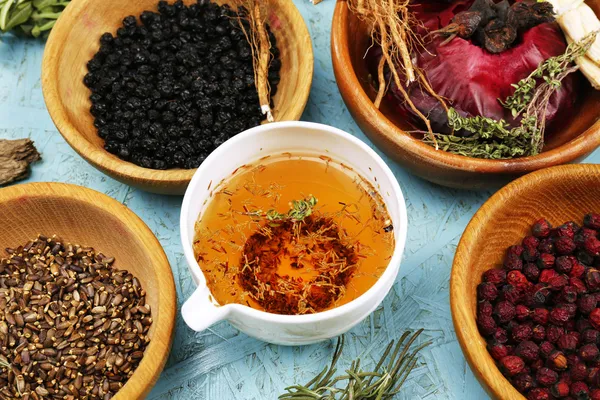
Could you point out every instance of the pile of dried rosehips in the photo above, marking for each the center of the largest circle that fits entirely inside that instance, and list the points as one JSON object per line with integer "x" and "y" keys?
{"x": 540, "y": 316}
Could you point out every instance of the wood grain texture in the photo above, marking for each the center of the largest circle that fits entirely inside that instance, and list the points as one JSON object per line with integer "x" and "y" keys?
{"x": 74, "y": 41}
{"x": 559, "y": 194}
{"x": 83, "y": 216}
{"x": 349, "y": 43}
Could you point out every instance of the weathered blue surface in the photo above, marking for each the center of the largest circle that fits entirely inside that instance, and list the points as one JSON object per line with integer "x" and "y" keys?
{"x": 221, "y": 363}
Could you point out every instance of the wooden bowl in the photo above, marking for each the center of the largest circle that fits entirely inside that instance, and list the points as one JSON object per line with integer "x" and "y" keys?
{"x": 349, "y": 42}
{"x": 559, "y": 194}
{"x": 83, "y": 216}
{"x": 76, "y": 38}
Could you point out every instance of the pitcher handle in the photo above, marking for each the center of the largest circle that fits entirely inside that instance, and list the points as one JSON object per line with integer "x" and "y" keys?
{"x": 199, "y": 312}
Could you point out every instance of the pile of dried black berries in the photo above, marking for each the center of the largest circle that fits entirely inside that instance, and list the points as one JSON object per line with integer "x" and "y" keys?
{"x": 167, "y": 92}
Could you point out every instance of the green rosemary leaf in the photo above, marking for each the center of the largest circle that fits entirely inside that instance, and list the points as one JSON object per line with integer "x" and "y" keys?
{"x": 383, "y": 382}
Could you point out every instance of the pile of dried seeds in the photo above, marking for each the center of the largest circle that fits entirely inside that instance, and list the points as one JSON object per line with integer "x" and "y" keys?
{"x": 71, "y": 325}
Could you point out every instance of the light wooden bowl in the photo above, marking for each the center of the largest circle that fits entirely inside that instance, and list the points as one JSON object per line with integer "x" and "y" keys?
{"x": 349, "y": 42}
{"x": 559, "y": 194}
{"x": 74, "y": 41}
{"x": 83, "y": 216}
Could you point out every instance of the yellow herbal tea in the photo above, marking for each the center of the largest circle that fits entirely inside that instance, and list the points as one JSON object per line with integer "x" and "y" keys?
{"x": 293, "y": 235}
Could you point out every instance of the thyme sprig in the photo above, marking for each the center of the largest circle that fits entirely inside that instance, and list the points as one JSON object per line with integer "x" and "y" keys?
{"x": 299, "y": 210}
{"x": 496, "y": 139}
{"x": 384, "y": 381}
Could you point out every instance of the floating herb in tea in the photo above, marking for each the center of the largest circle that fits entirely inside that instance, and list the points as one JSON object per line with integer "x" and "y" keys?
{"x": 293, "y": 235}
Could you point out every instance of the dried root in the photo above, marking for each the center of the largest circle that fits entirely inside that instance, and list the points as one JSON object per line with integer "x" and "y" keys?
{"x": 253, "y": 23}
{"x": 392, "y": 29}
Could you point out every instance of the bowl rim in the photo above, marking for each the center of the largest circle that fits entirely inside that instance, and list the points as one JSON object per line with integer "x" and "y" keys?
{"x": 464, "y": 323}
{"x": 389, "y": 274}
{"x": 576, "y": 148}
{"x": 102, "y": 159}
{"x": 157, "y": 352}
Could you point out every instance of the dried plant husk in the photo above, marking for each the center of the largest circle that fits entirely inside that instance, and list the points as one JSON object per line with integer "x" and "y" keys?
{"x": 15, "y": 157}
{"x": 252, "y": 19}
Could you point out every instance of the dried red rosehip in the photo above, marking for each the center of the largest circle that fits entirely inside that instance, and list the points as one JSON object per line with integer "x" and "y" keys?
{"x": 592, "y": 221}
{"x": 564, "y": 245}
{"x": 595, "y": 394}
{"x": 559, "y": 316}
{"x": 580, "y": 390}
{"x": 546, "y": 246}
{"x": 539, "y": 333}
{"x": 592, "y": 246}
{"x": 495, "y": 276}
{"x": 497, "y": 351}
{"x": 561, "y": 389}
{"x": 539, "y": 394}
{"x": 558, "y": 282}
{"x": 531, "y": 271}
{"x": 593, "y": 375}
{"x": 578, "y": 372}
{"x": 512, "y": 365}
{"x": 595, "y": 318}
{"x": 487, "y": 291}
{"x": 512, "y": 294}
{"x": 518, "y": 280}
{"x": 523, "y": 382}
{"x": 579, "y": 285}
{"x": 546, "y": 377}
{"x": 541, "y": 228}
{"x": 521, "y": 333}
{"x": 569, "y": 294}
{"x": 588, "y": 352}
{"x": 587, "y": 303}
{"x": 546, "y": 261}
{"x": 566, "y": 230}
{"x": 522, "y": 312}
{"x": 592, "y": 278}
{"x": 568, "y": 342}
{"x": 582, "y": 324}
{"x": 504, "y": 311}
{"x": 486, "y": 324}
{"x": 577, "y": 270}
{"x": 540, "y": 315}
{"x": 564, "y": 264}
{"x": 527, "y": 350}
{"x": 553, "y": 333}
{"x": 547, "y": 275}
{"x": 500, "y": 336}
{"x": 546, "y": 348}
{"x": 590, "y": 336}
{"x": 539, "y": 294}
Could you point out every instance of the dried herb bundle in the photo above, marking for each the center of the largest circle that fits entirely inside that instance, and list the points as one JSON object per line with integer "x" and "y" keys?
{"x": 33, "y": 17}
{"x": 252, "y": 19}
{"x": 495, "y": 139}
{"x": 383, "y": 382}
{"x": 393, "y": 30}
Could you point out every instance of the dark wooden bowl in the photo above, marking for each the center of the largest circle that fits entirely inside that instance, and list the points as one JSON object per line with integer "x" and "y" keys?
{"x": 349, "y": 42}
{"x": 559, "y": 194}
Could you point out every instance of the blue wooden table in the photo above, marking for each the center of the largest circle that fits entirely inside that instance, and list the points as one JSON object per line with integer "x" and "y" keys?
{"x": 221, "y": 363}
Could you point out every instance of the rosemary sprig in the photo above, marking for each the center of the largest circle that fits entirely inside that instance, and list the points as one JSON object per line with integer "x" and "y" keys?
{"x": 383, "y": 382}
{"x": 494, "y": 139}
